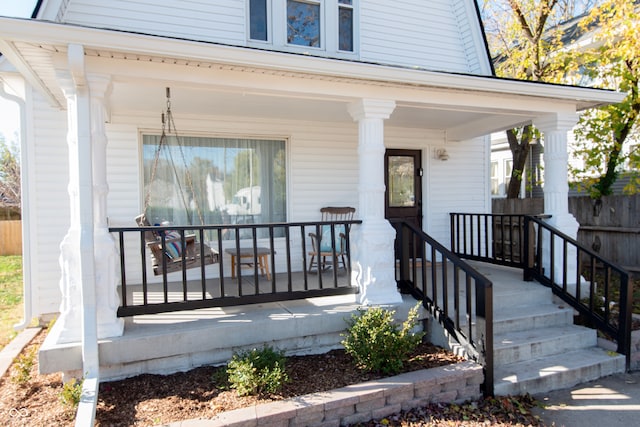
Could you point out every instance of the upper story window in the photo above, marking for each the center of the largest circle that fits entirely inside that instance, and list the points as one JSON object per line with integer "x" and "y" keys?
{"x": 303, "y": 23}
{"x": 321, "y": 25}
{"x": 345, "y": 25}
{"x": 258, "y": 20}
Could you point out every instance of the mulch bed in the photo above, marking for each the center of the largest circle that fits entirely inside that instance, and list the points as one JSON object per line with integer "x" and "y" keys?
{"x": 148, "y": 400}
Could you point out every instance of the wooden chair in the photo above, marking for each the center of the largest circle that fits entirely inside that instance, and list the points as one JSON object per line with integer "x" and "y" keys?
{"x": 323, "y": 246}
{"x": 175, "y": 250}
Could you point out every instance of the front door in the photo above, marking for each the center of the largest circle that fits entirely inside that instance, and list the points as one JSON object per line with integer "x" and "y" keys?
{"x": 403, "y": 181}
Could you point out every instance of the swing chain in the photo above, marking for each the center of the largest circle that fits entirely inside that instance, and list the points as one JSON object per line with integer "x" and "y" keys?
{"x": 167, "y": 122}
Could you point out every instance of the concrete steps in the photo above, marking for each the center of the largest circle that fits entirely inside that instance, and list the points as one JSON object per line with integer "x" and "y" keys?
{"x": 557, "y": 371}
{"x": 537, "y": 348}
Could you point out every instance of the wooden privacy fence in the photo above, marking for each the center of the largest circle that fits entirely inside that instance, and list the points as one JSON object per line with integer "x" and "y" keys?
{"x": 609, "y": 226}
{"x": 10, "y": 237}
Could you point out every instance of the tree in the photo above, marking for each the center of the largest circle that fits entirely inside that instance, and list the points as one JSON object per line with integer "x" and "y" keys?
{"x": 10, "y": 193}
{"x": 528, "y": 39}
{"x": 614, "y": 63}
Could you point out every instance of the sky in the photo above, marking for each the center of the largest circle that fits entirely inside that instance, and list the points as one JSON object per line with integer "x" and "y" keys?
{"x": 9, "y": 113}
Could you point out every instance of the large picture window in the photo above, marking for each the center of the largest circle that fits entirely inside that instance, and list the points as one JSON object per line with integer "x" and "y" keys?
{"x": 214, "y": 180}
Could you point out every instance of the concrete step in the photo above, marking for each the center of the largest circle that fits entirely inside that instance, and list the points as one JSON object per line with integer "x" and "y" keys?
{"x": 556, "y": 372}
{"x": 514, "y": 319}
{"x": 511, "y": 319}
{"x": 514, "y": 347}
{"x": 521, "y": 295}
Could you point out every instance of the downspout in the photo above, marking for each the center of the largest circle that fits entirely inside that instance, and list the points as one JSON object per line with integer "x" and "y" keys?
{"x": 24, "y": 207}
{"x": 86, "y": 409}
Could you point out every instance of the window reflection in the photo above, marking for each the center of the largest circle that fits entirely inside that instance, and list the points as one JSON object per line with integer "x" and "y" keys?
{"x": 303, "y": 23}
{"x": 401, "y": 181}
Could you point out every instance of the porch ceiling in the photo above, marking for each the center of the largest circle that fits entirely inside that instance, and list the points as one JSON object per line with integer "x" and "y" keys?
{"x": 212, "y": 79}
{"x": 130, "y": 97}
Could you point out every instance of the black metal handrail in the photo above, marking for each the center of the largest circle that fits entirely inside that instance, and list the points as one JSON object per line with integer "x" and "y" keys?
{"x": 434, "y": 275}
{"x": 211, "y": 286}
{"x": 550, "y": 258}
{"x": 546, "y": 254}
{"x": 493, "y": 238}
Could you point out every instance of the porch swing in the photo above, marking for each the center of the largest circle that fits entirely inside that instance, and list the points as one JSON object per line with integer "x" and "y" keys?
{"x": 170, "y": 250}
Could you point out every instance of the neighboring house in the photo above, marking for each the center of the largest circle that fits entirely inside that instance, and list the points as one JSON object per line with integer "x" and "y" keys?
{"x": 502, "y": 165}
{"x": 311, "y": 91}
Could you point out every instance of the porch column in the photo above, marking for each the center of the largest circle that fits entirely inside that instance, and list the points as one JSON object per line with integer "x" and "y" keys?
{"x": 372, "y": 261}
{"x": 556, "y": 186}
{"x": 88, "y": 257}
{"x": 105, "y": 249}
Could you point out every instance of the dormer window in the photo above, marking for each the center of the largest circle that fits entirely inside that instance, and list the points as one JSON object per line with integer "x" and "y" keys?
{"x": 304, "y": 25}
{"x": 345, "y": 25}
{"x": 258, "y": 20}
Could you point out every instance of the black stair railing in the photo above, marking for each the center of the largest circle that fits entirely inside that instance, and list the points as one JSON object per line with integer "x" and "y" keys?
{"x": 596, "y": 288}
{"x": 457, "y": 296}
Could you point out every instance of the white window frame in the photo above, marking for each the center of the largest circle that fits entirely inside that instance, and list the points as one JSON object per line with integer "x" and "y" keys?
{"x": 269, "y": 8}
{"x": 352, "y": 7}
{"x": 322, "y": 5}
{"x": 329, "y": 27}
{"x": 495, "y": 178}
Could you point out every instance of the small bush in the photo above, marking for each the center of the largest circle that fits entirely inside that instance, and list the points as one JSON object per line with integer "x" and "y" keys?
{"x": 71, "y": 393}
{"x": 257, "y": 371}
{"x": 21, "y": 370}
{"x": 377, "y": 343}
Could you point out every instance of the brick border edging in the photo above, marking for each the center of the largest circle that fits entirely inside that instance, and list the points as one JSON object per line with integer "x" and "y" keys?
{"x": 359, "y": 402}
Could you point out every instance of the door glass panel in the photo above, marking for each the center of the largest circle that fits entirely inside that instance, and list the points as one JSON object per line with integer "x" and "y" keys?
{"x": 401, "y": 181}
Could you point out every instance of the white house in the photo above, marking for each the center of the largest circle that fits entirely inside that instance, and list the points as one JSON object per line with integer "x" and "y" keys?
{"x": 316, "y": 89}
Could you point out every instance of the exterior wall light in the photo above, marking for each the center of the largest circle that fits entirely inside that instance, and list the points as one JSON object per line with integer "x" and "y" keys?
{"x": 441, "y": 154}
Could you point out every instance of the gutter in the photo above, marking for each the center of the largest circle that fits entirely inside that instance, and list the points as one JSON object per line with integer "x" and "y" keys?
{"x": 24, "y": 207}
{"x": 90, "y": 358}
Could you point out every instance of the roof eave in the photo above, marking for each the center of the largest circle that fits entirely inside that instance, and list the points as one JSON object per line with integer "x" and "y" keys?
{"x": 31, "y": 31}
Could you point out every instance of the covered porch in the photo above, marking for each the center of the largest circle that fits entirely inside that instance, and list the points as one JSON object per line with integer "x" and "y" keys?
{"x": 335, "y": 119}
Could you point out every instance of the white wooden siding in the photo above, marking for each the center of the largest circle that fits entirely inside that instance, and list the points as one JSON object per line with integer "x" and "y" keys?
{"x": 412, "y": 33}
{"x": 435, "y": 34}
{"x": 457, "y": 185}
{"x": 472, "y": 37}
{"x": 49, "y": 202}
{"x": 220, "y": 21}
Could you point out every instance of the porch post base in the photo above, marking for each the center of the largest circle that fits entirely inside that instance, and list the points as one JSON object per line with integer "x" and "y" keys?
{"x": 373, "y": 269}
{"x": 569, "y": 226}
{"x": 107, "y": 278}
{"x": 69, "y": 322}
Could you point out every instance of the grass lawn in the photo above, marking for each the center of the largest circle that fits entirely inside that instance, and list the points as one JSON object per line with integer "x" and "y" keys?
{"x": 10, "y": 296}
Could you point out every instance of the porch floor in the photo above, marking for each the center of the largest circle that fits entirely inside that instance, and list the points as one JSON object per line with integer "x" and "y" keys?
{"x": 236, "y": 287}
{"x": 177, "y": 341}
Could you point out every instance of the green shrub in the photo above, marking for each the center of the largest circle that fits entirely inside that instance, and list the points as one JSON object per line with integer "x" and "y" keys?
{"x": 257, "y": 371}
{"x": 377, "y": 343}
{"x": 71, "y": 393}
{"x": 21, "y": 369}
